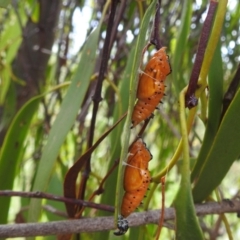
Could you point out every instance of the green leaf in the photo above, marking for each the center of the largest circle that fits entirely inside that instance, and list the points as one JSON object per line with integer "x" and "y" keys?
{"x": 4, "y": 3}
{"x": 224, "y": 151}
{"x": 12, "y": 149}
{"x": 55, "y": 188}
{"x": 9, "y": 105}
{"x": 65, "y": 119}
{"x": 181, "y": 42}
{"x": 186, "y": 221}
{"x": 36, "y": 13}
{"x": 215, "y": 80}
{"x": 4, "y": 84}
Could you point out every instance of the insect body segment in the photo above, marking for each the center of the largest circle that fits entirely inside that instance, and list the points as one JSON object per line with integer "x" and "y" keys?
{"x": 136, "y": 177}
{"x": 151, "y": 86}
{"x": 145, "y": 107}
{"x": 136, "y": 181}
{"x": 122, "y": 226}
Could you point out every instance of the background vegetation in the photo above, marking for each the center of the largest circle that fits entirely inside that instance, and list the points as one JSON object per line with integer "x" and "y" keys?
{"x": 68, "y": 72}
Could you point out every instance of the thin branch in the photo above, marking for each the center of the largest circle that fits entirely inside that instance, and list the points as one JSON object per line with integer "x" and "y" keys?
{"x": 190, "y": 99}
{"x": 107, "y": 223}
{"x": 155, "y": 36}
{"x": 53, "y": 210}
{"x": 100, "y": 189}
{"x": 9, "y": 193}
{"x": 97, "y": 96}
{"x": 119, "y": 16}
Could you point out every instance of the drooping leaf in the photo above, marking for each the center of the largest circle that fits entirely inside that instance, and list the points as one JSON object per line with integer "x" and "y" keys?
{"x": 64, "y": 121}
{"x": 72, "y": 174}
{"x": 224, "y": 151}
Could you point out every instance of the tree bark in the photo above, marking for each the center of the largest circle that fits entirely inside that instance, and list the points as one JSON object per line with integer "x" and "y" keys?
{"x": 33, "y": 55}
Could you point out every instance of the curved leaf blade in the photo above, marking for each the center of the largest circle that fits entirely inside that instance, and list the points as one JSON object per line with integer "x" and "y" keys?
{"x": 12, "y": 148}
{"x": 64, "y": 121}
{"x": 186, "y": 220}
{"x": 70, "y": 181}
{"x": 224, "y": 151}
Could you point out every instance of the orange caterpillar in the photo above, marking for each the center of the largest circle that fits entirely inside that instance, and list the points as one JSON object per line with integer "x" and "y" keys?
{"x": 136, "y": 181}
{"x": 151, "y": 86}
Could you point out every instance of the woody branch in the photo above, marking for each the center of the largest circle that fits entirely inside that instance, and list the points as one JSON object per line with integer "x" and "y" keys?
{"x": 107, "y": 223}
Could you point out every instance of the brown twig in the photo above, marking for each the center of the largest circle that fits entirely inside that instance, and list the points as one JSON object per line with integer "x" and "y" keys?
{"x": 9, "y": 193}
{"x": 100, "y": 189}
{"x": 54, "y": 211}
{"x": 118, "y": 18}
{"x": 144, "y": 127}
{"x": 155, "y": 36}
{"x": 190, "y": 99}
{"x": 107, "y": 223}
{"x": 97, "y": 96}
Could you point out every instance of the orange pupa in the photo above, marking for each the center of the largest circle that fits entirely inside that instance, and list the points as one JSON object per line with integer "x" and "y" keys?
{"x": 151, "y": 86}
